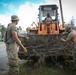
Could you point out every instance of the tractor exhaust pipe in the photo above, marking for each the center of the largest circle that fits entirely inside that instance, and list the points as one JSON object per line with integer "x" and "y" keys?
{"x": 60, "y": 3}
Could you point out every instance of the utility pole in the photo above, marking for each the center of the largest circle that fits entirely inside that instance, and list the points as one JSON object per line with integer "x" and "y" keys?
{"x": 60, "y": 3}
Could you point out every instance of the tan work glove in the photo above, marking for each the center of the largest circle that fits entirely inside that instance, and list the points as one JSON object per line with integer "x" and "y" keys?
{"x": 25, "y": 50}
{"x": 26, "y": 37}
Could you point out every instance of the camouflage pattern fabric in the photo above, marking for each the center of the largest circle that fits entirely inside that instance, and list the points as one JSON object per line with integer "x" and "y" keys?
{"x": 74, "y": 52}
{"x": 12, "y": 55}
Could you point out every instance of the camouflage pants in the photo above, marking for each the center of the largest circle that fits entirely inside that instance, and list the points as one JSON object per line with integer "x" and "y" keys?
{"x": 74, "y": 52}
{"x": 12, "y": 58}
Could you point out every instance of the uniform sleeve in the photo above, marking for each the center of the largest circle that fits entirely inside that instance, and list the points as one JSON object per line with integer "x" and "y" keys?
{"x": 13, "y": 28}
{"x": 70, "y": 36}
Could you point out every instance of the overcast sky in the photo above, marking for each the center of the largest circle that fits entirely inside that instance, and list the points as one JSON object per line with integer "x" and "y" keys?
{"x": 27, "y": 10}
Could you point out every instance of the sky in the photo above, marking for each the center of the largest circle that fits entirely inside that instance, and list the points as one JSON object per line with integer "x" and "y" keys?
{"x": 27, "y": 10}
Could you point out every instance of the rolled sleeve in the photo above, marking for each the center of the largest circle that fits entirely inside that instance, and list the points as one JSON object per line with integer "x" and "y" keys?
{"x": 13, "y": 28}
{"x": 70, "y": 36}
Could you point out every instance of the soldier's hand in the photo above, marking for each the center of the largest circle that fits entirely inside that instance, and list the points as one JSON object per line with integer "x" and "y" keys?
{"x": 62, "y": 39}
{"x": 25, "y": 50}
{"x": 26, "y": 37}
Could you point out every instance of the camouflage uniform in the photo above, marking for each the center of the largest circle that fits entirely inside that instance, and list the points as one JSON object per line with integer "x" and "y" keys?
{"x": 11, "y": 48}
{"x": 12, "y": 58}
{"x": 71, "y": 37}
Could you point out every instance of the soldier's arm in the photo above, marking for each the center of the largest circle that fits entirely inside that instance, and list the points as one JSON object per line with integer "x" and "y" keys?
{"x": 68, "y": 39}
{"x": 64, "y": 40}
{"x": 15, "y": 36}
{"x": 20, "y": 36}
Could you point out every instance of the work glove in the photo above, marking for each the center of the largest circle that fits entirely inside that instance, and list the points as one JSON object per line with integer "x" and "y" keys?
{"x": 62, "y": 39}
{"x": 26, "y": 37}
{"x": 25, "y": 50}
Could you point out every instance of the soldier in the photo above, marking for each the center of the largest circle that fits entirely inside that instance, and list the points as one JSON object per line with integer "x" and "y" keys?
{"x": 48, "y": 18}
{"x": 12, "y": 39}
{"x": 48, "y": 21}
{"x": 71, "y": 37}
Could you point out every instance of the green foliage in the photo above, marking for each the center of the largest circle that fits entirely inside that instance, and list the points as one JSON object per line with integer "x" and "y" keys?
{"x": 53, "y": 70}
{"x": 19, "y": 28}
{"x": 2, "y": 30}
{"x": 71, "y": 23}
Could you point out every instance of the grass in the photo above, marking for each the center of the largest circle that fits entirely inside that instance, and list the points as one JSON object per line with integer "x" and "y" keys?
{"x": 45, "y": 70}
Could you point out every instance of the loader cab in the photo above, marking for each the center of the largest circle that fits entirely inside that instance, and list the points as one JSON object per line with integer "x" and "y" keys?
{"x": 48, "y": 27}
{"x": 51, "y": 9}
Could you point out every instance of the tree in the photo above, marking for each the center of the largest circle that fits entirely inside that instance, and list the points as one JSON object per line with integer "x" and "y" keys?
{"x": 71, "y": 23}
{"x": 2, "y": 30}
{"x": 19, "y": 28}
